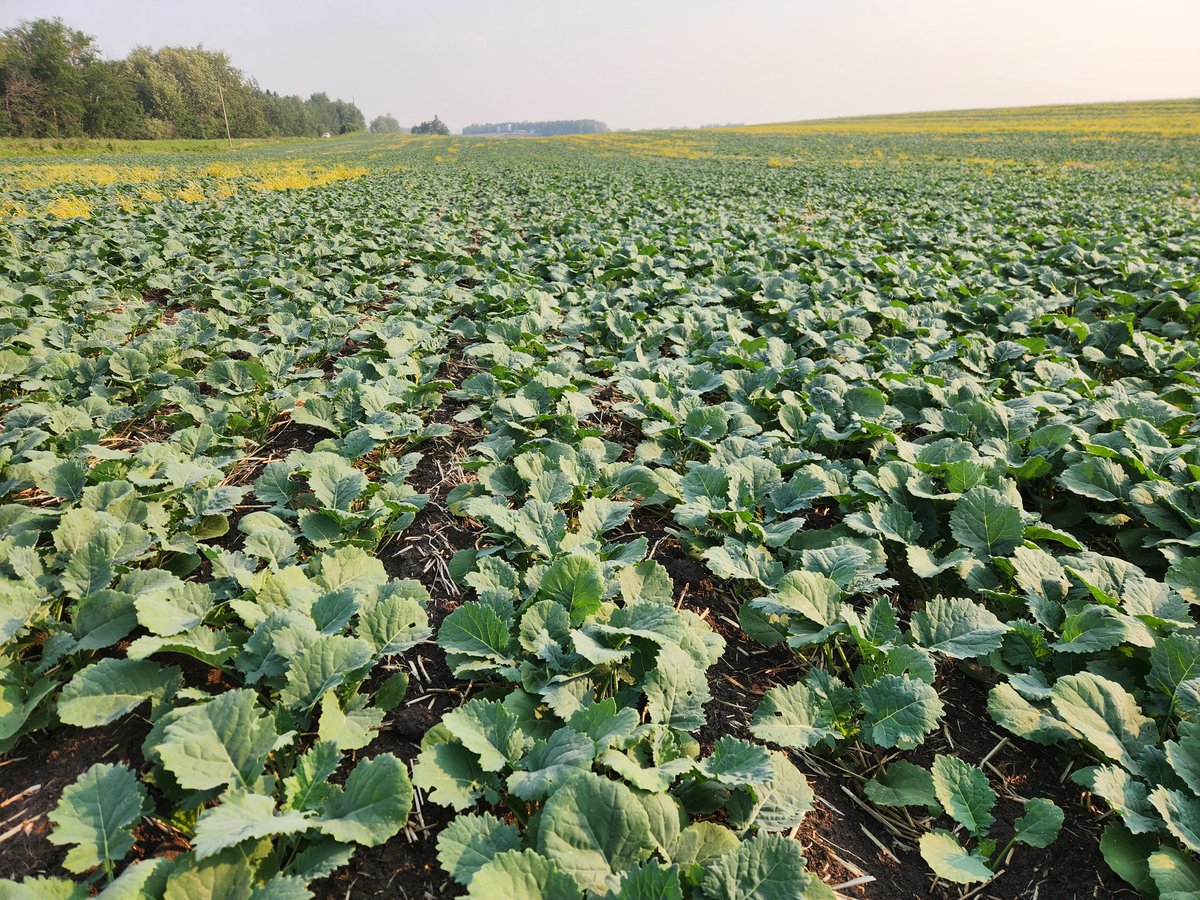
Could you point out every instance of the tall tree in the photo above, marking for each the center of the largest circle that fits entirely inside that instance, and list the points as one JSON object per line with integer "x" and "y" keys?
{"x": 44, "y": 63}
{"x": 385, "y": 125}
{"x": 111, "y": 106}
{"x": 433, "y": 126}
{"x": 54, "y": 83}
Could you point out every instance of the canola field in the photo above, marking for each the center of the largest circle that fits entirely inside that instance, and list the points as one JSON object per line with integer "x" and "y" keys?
{"x": 796, "y": 511}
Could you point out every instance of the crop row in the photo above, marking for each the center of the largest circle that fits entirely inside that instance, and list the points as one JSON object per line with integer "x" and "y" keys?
{"x": 911, "y": 432}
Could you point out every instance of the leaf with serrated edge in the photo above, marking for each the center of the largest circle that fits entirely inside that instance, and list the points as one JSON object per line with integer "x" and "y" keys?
{"x": 594, "y": 828}
{"x": 470, "y": 841}
{"x": 964, "y": 793}
{"x": 1041, "y": 823}
{"x": 949, "y": 860}
{"x": 763, "y": 867}
{"x": 986, "y": 521}
{"x": 899, "y": 712}
{"x": 95, "y": 814}
{"x": 106, "y": 690}
{"x": 522, "y": 875}
{"x": 223, "y": 741}
{"x": 373, "y": 806}
{"x": 957, "y": 627}
{"x": 242, "y": 816}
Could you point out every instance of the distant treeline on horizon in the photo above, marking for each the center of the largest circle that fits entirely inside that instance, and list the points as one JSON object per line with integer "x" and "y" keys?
{"x": 540, "y": 129}
{"x": 53, "y": 83}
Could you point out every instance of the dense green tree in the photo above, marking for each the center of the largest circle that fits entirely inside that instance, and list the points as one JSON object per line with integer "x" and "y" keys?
{"x": 433, "y": 126}
{"x": 111, "y": 106}
{"x": 287, "y": 115}
{"x": 54, "y": 83}
{"x": 184, "y": 86}
{"x": 44, "y": 63}
{"x": 385, "y": 125}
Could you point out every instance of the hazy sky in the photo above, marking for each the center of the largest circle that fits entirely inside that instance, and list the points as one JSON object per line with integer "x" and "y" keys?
{"x": 647, "y": 63}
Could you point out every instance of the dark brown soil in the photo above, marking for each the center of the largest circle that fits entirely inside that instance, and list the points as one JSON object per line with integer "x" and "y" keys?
{"x": 32, "y": 778}
{"x": 406, "y": 866}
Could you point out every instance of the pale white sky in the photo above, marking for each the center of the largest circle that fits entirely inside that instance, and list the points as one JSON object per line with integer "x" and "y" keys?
{"x": 657, "y": 63}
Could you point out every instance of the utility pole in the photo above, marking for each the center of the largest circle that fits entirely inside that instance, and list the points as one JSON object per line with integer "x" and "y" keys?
{"x": 224, "y": 115}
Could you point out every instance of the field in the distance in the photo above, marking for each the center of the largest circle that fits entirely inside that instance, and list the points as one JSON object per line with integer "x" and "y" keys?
{"x": 776, "y": 512}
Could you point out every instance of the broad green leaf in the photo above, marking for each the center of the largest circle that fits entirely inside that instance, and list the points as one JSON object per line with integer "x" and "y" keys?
{"x": 1099, "y": 479}
{"x": 242, "y": 816}
{"x": 470, "y": 841}
{"x": 700, "y": 842}
{"x": 91, "y": 567}
{"x": 986, "y": 521}
{"x": 1181, "y": 813}
{"x": 736, "y": 762}
{"x": 808, "y": 594}
{"x": 335, "y": 484}
{"x": 226, "y": 876}
{"x": 475, "y": 630}
{"x": 1126, "y": 795}
{"x": 1176, "y": 875}
{"x": 551, "y": 763}
{"x": 649, "y": 881}
{"x": 17, "y": 603}
{"x": 143, "y": 878}
{"x": 1105, "y": 714}
{"x": 106, "y": 690}
{"x": 763, "y": 867}
{"x": 372, "y": 807}
{"x": 320, "y": 666}
{"x": 899, "y": 712}
{"x": 95, "y": 815}
{"x": 102, "y": 619}
{"x": 902, "y": 784}
{"x": 1184, "y": 755}
{"x": 1012, "y": 711}
{"x": 595, "y": 829}
{"x": 351, "y": 568}
{"x": 1126, "y": 854}
{"x": 489, "y": 730}
{"x": 676, "y": 690}
{"x": 957, "y": 627}
{"x": 65, "y": 480}
{"x": 522, "y": 875}
{"x": 449, "y": 771}
{"x": 350, "y": 729}
{"x": 40, "y": 887}
{"x": 394, "y": 624}
{"x": 949, "y": 860}
{"x": 321, "y": 856}
{"x": 1174, "y": 659}
{"x": 174, "y": 608}
{"x": 733, "y": 559}
{"x": 964, "y": 793}
{"x": 780, "y": 804}
{"x": 799, "y": 715}
{"x": 223, "y": 741}
{"x": 1041, "y": 823}
{"x": 577, "y": 582}
{"x": 308, "y": 786}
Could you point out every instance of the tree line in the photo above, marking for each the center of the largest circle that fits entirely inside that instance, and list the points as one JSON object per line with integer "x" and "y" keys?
{"x": 388, "y": 124}
{"x": 54, "y": 83}
{"x": 541, "y": 129}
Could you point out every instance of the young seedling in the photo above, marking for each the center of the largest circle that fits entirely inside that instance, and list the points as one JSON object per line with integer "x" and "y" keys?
{"x": 961, "y": 791}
